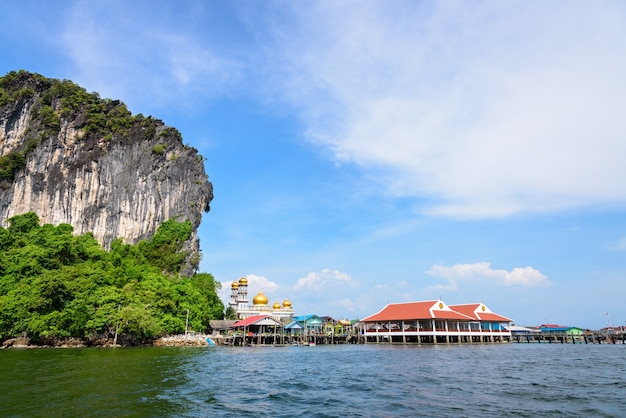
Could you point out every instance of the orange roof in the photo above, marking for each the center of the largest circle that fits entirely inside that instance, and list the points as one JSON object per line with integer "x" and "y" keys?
{"x": 451, "y": 315}
{"x": 494, "y": 317}
{"x": 415, "y": 310}
{"x": 435, "y": 309}
{"x": 408, "y": 310}
{"x": 473, "y": 310}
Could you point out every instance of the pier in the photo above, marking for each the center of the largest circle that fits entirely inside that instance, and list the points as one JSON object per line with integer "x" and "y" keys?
{"x": 594, "y": 337}
{"x": 268, "y": 339}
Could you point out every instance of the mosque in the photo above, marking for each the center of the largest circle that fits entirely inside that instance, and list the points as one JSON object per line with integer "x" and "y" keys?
{"x": 260, "y": 306}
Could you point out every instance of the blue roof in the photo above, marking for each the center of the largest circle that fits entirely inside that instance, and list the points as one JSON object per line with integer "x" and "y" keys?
{"x": 303, "y": 318}
{"x": 558, "y": 328}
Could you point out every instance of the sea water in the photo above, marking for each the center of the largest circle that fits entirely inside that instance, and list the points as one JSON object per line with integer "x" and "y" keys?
{"x": 489, "y": 380}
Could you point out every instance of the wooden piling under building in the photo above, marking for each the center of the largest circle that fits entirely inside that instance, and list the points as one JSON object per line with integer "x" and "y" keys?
{"x": 241, "y": 340}
{"x": 437, "y": 337}
{"x": 544, "y": 337}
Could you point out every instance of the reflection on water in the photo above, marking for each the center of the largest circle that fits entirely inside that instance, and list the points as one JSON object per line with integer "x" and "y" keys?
{"x": 349, "y": 380}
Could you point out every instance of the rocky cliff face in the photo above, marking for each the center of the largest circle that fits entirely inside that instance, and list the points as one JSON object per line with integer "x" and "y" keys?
{"x": 72, "y": 157}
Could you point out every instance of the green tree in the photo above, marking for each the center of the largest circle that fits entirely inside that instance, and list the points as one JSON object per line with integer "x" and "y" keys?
{"x": 54, "y": 284}
{"x": 230, "y": 313}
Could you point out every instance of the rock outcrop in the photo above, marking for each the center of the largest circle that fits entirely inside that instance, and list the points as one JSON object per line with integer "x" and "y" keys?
{"x": 72, "y": 157}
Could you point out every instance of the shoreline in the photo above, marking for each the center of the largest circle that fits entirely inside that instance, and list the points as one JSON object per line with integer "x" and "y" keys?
{"x": 189, "y": 340}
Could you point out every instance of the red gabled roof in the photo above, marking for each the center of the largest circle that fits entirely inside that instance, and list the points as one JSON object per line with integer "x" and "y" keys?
{"x": 494, "y": 317}
{"x": 414, "y": 310}
{"x": 468, "y": 309}
{"x": 248, "y": 321}
{"x": 450, "y": 315}
{"x": 435, "y": 309}
{"x": 472, "y": 309}
{"x": 407, "y": 310}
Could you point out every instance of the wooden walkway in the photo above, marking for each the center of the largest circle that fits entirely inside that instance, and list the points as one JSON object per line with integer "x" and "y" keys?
{"x": 557, "y": 338}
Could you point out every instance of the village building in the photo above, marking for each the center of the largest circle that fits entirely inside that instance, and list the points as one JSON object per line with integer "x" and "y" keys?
{"x": 258, "y": 324}
{"x": 336, "y": 327}
{"x": 260, "y": 330}
{"x": 305, "y": 325}
{"x": 219, "y": 326}
{"x": 435, "y": 322}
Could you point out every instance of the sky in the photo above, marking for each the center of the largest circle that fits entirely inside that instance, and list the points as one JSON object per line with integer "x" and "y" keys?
{"x": 373, "y": 152}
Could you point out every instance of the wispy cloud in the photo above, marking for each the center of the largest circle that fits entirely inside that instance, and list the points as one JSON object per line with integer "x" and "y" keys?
{"x": 488, "y": 109}
{"x": 324, "y": 280}
{"x": 483, "y": 272}
{"x": 137, "y": 54}
{"x": 485, "y": 110}
{"x": 260, "y": 283}
{"x": 451, "y": 286}
{"x": 347, "y": 304}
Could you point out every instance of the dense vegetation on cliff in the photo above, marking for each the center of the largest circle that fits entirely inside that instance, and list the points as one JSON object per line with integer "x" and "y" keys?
{"x": 61, "y": 101}
{"x": 54, "y": 284}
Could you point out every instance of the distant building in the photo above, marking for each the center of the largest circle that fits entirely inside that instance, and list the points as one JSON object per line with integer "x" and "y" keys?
{"x": 555, "y": 329}
{"x": 219, "y": 326}
{"x": 239, "y": 302}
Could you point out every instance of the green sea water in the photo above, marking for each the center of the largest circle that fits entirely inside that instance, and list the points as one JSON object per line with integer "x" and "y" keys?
{"x": 324, "y": 381}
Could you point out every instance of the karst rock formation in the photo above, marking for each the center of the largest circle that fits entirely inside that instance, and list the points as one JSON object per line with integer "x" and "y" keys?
{"x": 73, "y": 157}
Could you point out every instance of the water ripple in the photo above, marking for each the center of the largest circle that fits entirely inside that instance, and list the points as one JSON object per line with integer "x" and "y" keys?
{"x": 323, "y": 381}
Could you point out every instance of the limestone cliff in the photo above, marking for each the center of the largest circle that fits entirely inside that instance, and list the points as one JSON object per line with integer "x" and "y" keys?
{"x": 72, "y": 157}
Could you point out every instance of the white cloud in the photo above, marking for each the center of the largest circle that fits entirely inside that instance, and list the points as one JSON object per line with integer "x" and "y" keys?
{"x": 324, "y": 280}
{"x": 451, "y": 286}
{"x": 260, "y": 283}
{"x": 126, "y": 51}
{"x": 485, "y": 110}
{"x": 481, "y": 272}
{"x": 489, "y": 109}
{"x": 347, "y": 304}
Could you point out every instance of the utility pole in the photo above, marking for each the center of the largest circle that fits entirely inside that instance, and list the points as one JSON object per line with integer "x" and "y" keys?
{"x": 117, "y": 326}
{"x": 186, "y": 322}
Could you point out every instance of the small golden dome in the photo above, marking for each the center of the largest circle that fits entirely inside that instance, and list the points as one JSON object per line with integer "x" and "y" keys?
{"x": 276, "y": 305}
{"x": 234, "y": 285}
{"x": 260, "y": 299}
{"x": 243, "y": 281}
{"x": 286, "y": 303}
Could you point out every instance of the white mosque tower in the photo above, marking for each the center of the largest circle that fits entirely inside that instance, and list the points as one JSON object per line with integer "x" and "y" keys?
{"x": 234, "y": 295}
{"x": 242, "y": 295}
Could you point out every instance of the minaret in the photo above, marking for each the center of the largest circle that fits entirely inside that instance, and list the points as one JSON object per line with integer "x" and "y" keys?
{"x": 242, "y": 299}
{"x": 234, "y": 293}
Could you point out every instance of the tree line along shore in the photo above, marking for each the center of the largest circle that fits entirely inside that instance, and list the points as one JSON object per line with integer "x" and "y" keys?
{"x": 58, "y": 289}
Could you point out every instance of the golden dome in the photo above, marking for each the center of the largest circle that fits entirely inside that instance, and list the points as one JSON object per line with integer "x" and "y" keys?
{"x": 243, "y": 280}
{"x": 286, "y": 303}
{"x": 234, "y": 285}
{"x": 276, "y": 305}
{"x": 260, "y": 299}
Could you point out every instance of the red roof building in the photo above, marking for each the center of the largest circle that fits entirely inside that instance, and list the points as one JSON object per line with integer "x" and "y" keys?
{"x": 257, "y": 321}
{"x": 435, "y": 322}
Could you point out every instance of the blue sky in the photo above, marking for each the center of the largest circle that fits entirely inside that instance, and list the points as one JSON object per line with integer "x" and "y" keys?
{"x": 382, "y": 151}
